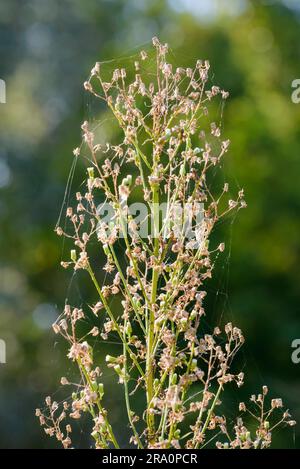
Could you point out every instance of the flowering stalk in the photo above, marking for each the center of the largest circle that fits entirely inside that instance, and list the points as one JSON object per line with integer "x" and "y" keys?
{"x": 171, "y": 143}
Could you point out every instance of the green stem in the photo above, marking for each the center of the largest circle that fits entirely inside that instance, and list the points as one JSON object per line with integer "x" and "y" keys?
{"x": 209, "y": 413}
{"x": 151, "y": 319}
{"x": 126, "y": 392}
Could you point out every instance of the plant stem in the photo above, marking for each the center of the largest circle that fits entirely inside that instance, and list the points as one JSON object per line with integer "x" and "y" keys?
{"x": 126, "y": 393}
{"x": 209, "y": 414}
{"x": 150, "y": 328}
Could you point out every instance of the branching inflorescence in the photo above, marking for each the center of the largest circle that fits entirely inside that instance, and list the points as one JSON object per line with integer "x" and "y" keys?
{"x": 168, "y": 151}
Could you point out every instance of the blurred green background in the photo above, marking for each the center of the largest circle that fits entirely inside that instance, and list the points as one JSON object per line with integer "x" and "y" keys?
{"x": 47, "y": 49}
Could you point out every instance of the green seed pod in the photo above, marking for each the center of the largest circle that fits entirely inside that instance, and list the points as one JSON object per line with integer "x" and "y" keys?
{"x": 91, "y": 173}
{"x": 127, "y": 181}
{"x": 119, "y": 370}
{"x": 267, "y": 425}
{"x": 73, "y": 255}
{"x": 110, "y": 359}
{"x": 156, "y": 383}
{"x": 128, "y": 329}
{"x": 193, "y": 364}
{"x": 193, "y": 315}
{"x": 182, "y": 170}
{"x": 183, "y": 323}
{"x": 101, "y": 390}
{"x": 136, "y": 302}
{"x": 94, "y": 386}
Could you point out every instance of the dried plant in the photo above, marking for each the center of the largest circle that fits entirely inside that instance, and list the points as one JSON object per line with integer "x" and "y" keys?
{"x": 167, "y": 354}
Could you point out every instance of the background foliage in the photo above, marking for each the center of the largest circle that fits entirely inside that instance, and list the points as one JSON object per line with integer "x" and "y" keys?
{"x": 46, "y": 51}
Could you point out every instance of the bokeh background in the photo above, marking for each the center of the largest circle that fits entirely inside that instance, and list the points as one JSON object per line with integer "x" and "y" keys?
{"x": 47, "y": 49}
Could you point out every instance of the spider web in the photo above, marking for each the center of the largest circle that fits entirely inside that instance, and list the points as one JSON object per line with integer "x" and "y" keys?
{"x": 220, "y": 309}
